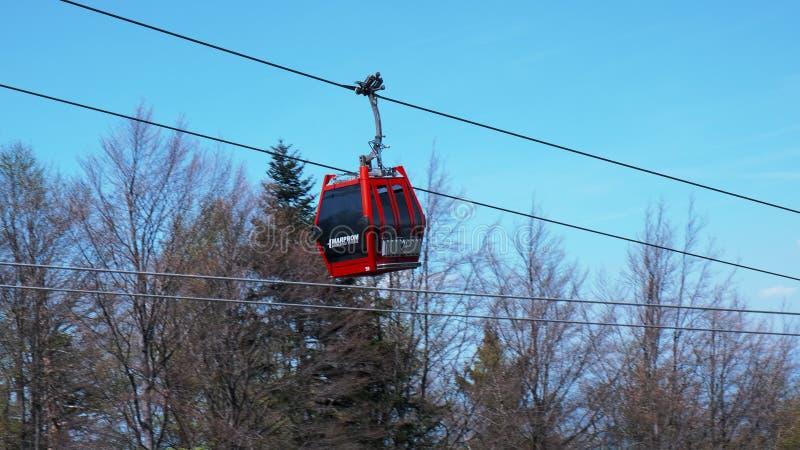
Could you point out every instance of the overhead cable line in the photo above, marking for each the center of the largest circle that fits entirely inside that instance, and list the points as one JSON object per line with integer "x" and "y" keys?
{"x": 612, "y": 235}
{"x": 454, "y": 197}
{"x": 393, "y": 311}
{"x": 210, "y": 45}
{"x": 440, "y": 113}
{"x": 397, "y": 289}
{"x": 168, "y": 127}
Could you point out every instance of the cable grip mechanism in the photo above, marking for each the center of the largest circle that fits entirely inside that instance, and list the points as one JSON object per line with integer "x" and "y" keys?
{"x": 369, "y": 87}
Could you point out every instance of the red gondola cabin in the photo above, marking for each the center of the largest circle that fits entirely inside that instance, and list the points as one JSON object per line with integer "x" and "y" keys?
{"x": 369, "y": 224}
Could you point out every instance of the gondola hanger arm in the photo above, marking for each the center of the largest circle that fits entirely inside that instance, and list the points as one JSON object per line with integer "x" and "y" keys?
{"x": 369, "y": 87}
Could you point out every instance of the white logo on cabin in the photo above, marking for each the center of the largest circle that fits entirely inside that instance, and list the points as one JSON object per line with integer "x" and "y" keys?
{"x": 343, "y": 241}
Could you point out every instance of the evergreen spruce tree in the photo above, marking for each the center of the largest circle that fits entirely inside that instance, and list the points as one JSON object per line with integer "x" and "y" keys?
{"x": 343, "y": 383}
{"x": 282, "y": 238}
{"x": 288, "y": 190}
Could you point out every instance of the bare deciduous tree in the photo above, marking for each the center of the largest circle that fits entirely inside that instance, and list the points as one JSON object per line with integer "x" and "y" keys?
{"x": 547, "y": 366}
{"x": 127, "y": 371}
{"x": 134, "y": 195}
{"x": 690, "y": 390}
{"x": 34, "y": 338}
{"x": 435, "y": 347}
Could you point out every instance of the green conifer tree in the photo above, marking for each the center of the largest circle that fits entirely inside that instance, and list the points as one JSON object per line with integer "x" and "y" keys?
{"x": 287, "y": 190}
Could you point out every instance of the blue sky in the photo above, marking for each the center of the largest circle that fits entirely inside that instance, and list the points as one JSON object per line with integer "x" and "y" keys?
{"x": 707, "y": 91}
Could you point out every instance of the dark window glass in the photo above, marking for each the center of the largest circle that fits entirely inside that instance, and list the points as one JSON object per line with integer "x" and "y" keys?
{"x": 419, "y": 224}
{"x": 404, "y": 227}
{"x": 386, "y": 204}
{"x": 376, "y": 214}
{"x": 340, "y": 219}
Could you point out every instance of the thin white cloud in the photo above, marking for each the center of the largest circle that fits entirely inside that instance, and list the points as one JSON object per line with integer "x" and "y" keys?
{"x": 776, "y": 292}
